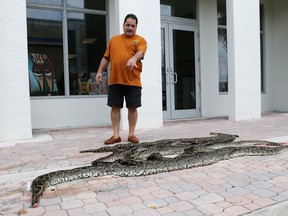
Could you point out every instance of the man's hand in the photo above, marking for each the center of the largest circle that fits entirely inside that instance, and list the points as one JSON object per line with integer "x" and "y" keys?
{"x": 131, "y": 63}
{"x": 98, "y": 78}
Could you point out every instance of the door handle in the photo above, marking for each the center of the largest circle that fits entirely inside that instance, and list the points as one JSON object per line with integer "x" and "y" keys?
{"x": 175, "y": 78}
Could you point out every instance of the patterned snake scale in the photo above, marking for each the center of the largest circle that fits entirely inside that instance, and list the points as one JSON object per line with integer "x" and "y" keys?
{"x": 147, "y": 158}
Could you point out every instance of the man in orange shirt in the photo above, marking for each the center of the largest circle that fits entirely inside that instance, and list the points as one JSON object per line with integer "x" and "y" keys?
{"x": 124, "y": 52}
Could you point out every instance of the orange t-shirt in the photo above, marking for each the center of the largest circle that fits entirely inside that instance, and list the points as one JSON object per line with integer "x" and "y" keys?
{"x": 120, "y": 49}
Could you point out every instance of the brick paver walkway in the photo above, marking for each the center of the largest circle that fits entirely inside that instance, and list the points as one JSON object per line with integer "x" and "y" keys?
{"x": 232, "y": 187}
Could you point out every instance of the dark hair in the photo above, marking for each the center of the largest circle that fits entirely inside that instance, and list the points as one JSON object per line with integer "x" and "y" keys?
{"x": 132, "y": 16}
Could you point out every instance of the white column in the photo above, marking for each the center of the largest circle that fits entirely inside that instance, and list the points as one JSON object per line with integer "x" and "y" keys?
{"x": 15, "y": 115}
{"x": 148, "y": 13}
{"x": 244, "y": 59}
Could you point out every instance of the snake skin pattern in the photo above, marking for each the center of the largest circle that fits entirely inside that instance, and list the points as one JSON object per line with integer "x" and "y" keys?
{"x": 132, "y": 160}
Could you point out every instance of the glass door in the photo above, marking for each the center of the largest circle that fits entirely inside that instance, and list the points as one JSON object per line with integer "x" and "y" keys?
{"x": 180, "y": 95}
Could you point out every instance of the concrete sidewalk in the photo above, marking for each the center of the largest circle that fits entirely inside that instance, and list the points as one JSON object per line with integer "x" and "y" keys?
{"x": 240, "y": 186}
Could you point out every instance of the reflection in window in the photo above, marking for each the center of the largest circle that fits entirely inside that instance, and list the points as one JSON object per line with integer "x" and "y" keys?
{"x": 222, "y": 60}
{"x": 86, "y": 45}
{"x": 176, "y": 8}
{"x": 163, "y": 64}
{"x": 184, "y": 65}
{"x": 222, "y": 46}
{"x": 166, "y": 10}
{"x": 88, "y": 4}
{"x": 45, "y": 52}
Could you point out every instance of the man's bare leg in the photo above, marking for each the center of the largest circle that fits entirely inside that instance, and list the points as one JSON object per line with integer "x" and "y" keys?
{"x": 132, "y": 118}
{"x": 115, "y": 119}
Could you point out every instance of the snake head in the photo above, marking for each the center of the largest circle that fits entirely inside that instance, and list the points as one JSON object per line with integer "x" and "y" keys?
{"x": 37, "y": 188}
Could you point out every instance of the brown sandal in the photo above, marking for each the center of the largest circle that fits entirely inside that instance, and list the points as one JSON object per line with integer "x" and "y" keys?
{"x": 133, "y": 139}
{"x": 112, "y": 140}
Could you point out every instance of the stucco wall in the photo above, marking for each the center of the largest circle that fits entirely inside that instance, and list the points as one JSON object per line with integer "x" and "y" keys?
{"x": 267, "y": 95}
{"x": 46, "y": 113}
{"x": 77, "y": 112}
{"x": 15, "y": 122}
{"x": 212, "y": 103}
{"x": 275, "y": 54}
{"x": 280, "y": 53}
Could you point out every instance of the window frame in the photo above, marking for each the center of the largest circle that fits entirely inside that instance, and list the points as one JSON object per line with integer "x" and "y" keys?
{"x": 262, "y": 47}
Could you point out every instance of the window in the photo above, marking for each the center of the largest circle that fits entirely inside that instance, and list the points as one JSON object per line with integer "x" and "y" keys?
{"x": 85, "y": 34}
{"x": 183, "y": 8}
{"x": 45, "y": 52}
{"x": 88, "y": 4}
{"x": 222, "y": 46}
{"x": 86, "y": 45}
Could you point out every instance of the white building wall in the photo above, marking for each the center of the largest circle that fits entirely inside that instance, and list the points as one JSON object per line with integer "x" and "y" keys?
{"x": 243, "y": 34}
{"x": 280, "y": 55}
{"x": 267, "y": 95}
{"x": 212, "y": 103}
{"x": 15, "y": 115}
{"x": 75, "y": 112}
{"x": 275, "y": 45}
{"x": 15, "y": 119}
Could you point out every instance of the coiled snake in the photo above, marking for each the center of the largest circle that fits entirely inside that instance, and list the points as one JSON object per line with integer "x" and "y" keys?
{"x": 131, "y": 160}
